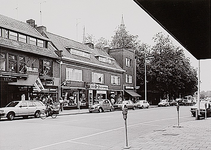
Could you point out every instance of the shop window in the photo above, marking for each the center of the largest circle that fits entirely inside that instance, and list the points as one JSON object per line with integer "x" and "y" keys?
{"x": 22, "y": 67}
{"x": 115, "y": 80}
{"x": 97, "y": 77}
{"x": 32, "y": 41}
{"x": 12, "y": 63}
{"x": 128, "y": 78}
{"x": 22, "y": 38}
{"x": 73, "y": 74}
{"x": 128, "y": 62}
{"x": 13, "y": 35}
{"x": 40, "y": 43}
{"x": 2, "y": 61}
{"x": 46, "y": 67}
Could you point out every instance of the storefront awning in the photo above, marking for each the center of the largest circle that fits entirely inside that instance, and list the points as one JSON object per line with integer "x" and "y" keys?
{"x": 25, "y": 82}
{"x": 132, "y": 93}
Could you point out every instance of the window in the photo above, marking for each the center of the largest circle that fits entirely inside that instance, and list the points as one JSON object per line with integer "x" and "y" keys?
{"x": 12, "y": 63}
{"x": 6, "y": 34}
{"x": 115, "y": 80}
{"x": 128, "y": 62}
{"x": 40, "y": 43}
{"x": 32, "y": 41}
{"x": 22, "y": 38}
{"x": 21, "y": 66}
{"x": 0, "y": 32}
{"x": 104, "y": 59}
{"x": 46, "y": 67}
{"x": 97, "y": 77}
{"x": 128, "y": 78}
{"x": 79, "y": 53}
{"x": 73, "y": 74}
{"x": 13, "y": 35}
{"x": 2, "y": 61}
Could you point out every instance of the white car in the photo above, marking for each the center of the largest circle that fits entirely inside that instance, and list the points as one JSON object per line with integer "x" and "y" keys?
{"x": 163, "y": 103}
{"x": 142, "y": 104}
{"x": 22, "y": 108}
{"x": 101, "y": 106}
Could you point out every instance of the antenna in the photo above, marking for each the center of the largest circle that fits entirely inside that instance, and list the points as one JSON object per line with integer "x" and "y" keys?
{"x": 84, "y": 35}
{"x": 41, "y": 12}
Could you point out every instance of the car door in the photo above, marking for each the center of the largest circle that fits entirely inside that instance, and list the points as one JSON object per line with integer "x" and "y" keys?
{"x": 31, "y": 108}
{"x": 23, "y": 109}
{"x": 106, "y": 105}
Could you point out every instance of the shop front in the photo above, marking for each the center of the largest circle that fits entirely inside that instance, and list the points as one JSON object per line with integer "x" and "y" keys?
{"x": 96, "y": 92}
{"x": 130, "y": 94}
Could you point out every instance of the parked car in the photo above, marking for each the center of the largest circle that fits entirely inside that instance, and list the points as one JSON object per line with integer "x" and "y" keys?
{"x": 142, "y": 104}
{"x": 129, "y": 104}
{"x": 202, "y": 109}
{"x": 101, "y": 106}
{"x": 22, "y": 109}
{"x": 163, "y": 103}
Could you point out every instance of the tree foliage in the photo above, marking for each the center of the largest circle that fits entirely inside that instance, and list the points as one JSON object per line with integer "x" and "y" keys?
{"x": 122, "y": 39}
{"x": 169, "y": 72}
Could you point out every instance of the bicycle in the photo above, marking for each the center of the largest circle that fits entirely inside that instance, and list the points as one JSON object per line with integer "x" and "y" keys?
{"x": 49, "y": 112}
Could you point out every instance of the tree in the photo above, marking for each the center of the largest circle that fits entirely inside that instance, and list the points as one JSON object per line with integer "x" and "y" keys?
{"x": 168, "y": 72}
{"x": 122, "y": 39}
{"x": 101, "y": 43}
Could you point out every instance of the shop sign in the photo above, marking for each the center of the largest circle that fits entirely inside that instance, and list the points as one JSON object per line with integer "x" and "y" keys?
{"x": 32, "y": 69}
{"x": 38, "y": 85}
{"x": 97, "y": 87}
{"x": 129, "y": 88}
{"x": 8, "y": 79}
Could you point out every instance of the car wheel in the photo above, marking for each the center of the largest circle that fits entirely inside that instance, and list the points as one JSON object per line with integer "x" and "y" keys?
{"x": 11, "y": 116}
{"x": 100, "y": 110}
{"x": 37, "y": 114}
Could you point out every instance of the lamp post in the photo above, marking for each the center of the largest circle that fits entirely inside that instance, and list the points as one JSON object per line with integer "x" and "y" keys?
{"x": 145, "y": 75}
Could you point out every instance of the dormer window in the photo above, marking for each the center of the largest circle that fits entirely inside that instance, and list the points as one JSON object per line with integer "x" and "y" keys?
{"x": 13, "y": 35}
{"x": 40, "y": 43}
{"x": 32, "y": 40}
{"x": 78, "y": 53}
{"x": 22, "y": 38}
{"x": 104, "y": 59}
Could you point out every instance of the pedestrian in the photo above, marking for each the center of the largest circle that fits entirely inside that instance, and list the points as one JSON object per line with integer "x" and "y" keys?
{"x": 61, "y": 102}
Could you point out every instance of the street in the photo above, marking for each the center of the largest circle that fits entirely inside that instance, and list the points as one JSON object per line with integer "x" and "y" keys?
{"x": 90, "y": 131}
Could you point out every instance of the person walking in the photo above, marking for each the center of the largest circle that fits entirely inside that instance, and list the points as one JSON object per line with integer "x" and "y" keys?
{"x": 61, "y": 102}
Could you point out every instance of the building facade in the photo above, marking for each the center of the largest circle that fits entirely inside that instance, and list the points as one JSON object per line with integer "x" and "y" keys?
{"x": 28, "y": 65}
{"x": 38, "y": 63}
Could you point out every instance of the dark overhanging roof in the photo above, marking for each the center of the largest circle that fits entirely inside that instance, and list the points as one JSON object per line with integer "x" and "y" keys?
{"x": 188, "y": 21}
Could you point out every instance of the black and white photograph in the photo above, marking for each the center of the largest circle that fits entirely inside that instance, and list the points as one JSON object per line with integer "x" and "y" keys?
{"x": 105, "y": 74}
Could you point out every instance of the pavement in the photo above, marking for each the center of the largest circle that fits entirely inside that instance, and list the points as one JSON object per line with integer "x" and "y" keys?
{"x": 191, "y": 135}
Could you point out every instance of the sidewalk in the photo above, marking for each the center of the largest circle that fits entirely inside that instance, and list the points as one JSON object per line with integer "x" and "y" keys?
{"x": 192, "y": 135}
{"x": 73, "y": 112}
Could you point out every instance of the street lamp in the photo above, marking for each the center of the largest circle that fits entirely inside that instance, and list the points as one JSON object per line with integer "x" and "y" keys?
{"x": 145, "y": 76}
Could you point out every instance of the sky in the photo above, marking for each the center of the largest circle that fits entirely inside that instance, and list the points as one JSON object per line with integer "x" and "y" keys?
{"x": 73, "y": 18}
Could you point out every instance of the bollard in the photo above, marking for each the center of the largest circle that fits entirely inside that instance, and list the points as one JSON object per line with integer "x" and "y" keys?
{"x": 124, "y": 113}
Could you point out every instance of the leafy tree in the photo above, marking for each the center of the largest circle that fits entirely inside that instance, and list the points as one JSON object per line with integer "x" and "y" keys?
{"x": 122, "y": 39}
{"x": 168, "y": 72}
{"x": 101, "y": 43}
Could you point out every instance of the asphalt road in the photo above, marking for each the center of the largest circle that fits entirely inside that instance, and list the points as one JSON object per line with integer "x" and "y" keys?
{"x": 91, "y": 131}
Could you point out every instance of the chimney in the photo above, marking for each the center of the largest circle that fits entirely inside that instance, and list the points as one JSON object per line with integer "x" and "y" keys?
{"x": 41, "y": 29}
{"x": 31, "y": 22}
{"x": 106, "y": 48}
{"x": 90, "y": 45}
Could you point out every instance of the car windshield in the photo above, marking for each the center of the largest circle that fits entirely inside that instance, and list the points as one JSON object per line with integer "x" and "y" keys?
{"x": 12, "y": 104}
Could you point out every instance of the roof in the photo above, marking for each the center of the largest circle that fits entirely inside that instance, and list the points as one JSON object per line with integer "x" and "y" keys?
{"x": 18, "y": 26}
{"x": 24, "y": 47}
{"x": 62, "y": 44}
{"x": 188, "y": 21}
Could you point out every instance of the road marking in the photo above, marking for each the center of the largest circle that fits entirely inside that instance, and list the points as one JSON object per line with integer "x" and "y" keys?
{"x": 111, "y": 130}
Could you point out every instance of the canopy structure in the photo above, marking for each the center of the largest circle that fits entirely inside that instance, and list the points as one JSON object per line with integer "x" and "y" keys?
{"x": 132, "y": 93}
{"x": 188, "y": 21}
